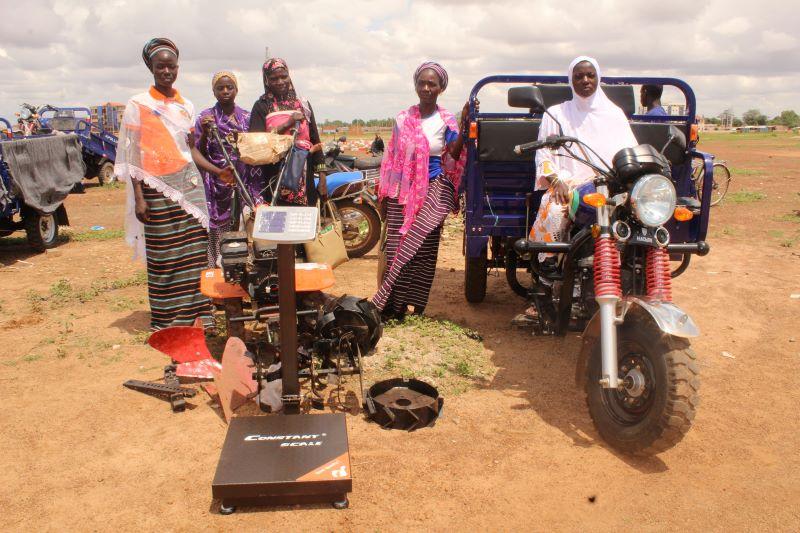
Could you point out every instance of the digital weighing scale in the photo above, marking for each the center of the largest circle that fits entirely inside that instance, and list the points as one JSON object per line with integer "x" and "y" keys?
{"x": 284, "y": 459}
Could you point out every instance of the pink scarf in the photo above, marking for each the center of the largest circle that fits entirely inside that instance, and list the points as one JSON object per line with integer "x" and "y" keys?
{"x": 404, "y": 170}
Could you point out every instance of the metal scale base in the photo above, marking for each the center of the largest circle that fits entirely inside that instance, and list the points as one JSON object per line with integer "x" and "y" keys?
{"x": 284, "y": 460}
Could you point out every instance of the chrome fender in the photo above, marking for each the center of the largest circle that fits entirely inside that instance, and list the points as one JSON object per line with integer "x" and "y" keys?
{"x": 669, "y": 318}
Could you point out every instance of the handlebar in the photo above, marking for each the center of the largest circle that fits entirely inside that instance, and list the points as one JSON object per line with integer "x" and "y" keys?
{"x": 242, "y": 188}
{"x": 553, "y": 141}
{"x": 527, "y": 147}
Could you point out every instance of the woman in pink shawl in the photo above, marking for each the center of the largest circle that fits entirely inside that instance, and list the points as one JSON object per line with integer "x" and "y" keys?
{"x": 420, "y": 175}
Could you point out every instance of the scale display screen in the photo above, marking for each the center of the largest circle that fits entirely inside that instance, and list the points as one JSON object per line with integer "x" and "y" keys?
{"x": 286, "y": 224}
{"x": 273, "y": 222}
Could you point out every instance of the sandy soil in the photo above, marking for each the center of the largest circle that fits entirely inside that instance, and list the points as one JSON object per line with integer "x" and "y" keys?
{"x": 517, "y": 452}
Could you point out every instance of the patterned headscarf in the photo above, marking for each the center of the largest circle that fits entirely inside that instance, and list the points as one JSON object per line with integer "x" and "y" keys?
{"x": 154, "y": 46}
{"x": 437, "y": 68}
{"x": 288, "y": 102}
{"x": 224, "y": 74}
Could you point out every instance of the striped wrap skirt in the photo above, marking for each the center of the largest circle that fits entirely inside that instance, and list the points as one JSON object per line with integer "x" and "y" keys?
{"x": 177, "y": 248}
{"x": 411, "y": 258}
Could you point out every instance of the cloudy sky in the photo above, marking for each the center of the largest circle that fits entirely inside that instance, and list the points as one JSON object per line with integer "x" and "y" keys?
{"x": 354, "y": 58}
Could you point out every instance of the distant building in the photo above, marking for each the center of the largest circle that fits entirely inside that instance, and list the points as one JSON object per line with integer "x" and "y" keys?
{"x": 754, "y": 129}
{"x": 675, "y": 109}
{"x": 108, "y": 116}
{"x": 671, "y": 109}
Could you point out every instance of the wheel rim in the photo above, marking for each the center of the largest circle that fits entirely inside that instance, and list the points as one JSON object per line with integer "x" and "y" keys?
{"x": 719, "y": 185}
{"x": 355, "y": 228}
{"x": 631, "y": 404}
{"x": 47, "y": 228}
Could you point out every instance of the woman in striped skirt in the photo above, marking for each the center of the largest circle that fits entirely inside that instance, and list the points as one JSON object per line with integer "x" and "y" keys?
{"x": 167, "y": 216}
{"x": 420, "y": 175}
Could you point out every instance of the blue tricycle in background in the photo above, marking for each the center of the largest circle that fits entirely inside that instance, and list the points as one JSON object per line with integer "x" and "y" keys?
{"x": 99, "y": 145}
{"x": 635, "y": 227}
{"x": 36, "y": 175}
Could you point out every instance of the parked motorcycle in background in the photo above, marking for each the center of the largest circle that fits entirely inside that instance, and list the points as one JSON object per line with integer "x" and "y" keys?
{"x": 337, "y": 161}
{"x": 352, "y": 184}
{"x": 29, "y": 119}
{"x": 352, "y": 195}
{"x": 636, "y": 366}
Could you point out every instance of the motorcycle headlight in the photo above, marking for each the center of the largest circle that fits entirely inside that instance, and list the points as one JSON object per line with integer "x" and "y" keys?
{"x": 653, "y": 199}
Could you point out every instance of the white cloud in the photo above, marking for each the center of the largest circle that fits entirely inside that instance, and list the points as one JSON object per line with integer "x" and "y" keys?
{"x": 355, "y": 58}
{"x": 734, "y": 26}
{"x": 772, "y": 41}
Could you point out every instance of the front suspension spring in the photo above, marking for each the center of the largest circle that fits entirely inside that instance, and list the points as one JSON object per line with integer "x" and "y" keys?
{"x": 606, "y": 268}
{"x": 659, "y": 280}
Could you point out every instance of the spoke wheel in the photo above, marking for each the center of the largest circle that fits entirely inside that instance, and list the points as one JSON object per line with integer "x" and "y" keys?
{"x": 721, "y": 181}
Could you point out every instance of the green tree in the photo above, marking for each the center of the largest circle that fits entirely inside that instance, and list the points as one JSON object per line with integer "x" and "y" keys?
{"x": 789, "y": 118}
{"x": 737, "y": 122}
{"x": 754, "y": 117}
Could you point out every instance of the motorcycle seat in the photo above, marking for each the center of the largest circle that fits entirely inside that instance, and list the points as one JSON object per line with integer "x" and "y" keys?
{"x": 338, "y": 179}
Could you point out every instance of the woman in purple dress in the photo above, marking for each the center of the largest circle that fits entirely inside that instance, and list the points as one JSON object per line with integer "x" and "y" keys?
{"x": 219, "y": 180}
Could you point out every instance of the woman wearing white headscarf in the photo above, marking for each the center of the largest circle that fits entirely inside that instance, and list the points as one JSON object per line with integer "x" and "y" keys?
{"x": 592, "y": 118}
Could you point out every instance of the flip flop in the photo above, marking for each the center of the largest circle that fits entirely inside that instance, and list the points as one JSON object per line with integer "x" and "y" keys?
{"x": 523, "y": 320}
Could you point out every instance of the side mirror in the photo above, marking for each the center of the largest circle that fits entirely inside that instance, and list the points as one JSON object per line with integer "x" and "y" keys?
{"x": 528, "y": 97}
{"x": 678, "y": 137}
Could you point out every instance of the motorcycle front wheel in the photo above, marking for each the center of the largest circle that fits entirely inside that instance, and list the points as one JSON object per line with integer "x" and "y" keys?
{"x": 656, "y": 407}
{"x": 361, "y": 227}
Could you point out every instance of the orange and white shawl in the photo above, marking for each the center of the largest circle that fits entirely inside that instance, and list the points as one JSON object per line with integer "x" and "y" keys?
{"x": 153, "y": 149}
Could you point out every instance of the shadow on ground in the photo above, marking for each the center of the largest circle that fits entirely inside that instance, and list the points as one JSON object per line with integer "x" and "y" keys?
{"x": 538, "y": 370}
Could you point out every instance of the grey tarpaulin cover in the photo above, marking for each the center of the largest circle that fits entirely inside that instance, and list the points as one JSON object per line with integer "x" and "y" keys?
{"x": 44, "y": 169}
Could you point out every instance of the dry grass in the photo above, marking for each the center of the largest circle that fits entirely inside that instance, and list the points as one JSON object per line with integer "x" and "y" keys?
{"x": 443, "y": 353}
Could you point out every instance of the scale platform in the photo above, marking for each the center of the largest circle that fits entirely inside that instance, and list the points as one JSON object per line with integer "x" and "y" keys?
{"x": 284, "y": 460}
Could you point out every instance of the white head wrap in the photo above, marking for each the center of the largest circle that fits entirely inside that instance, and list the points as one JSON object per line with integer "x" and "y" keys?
{"x": 579, "y": 100}
{"x": 595, "y": 120}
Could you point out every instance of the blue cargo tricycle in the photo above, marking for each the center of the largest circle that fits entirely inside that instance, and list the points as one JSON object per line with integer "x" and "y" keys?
{"x": 635, "y": 226}
{"x": 36, "y": 175}
{"x": 99, "y": 145}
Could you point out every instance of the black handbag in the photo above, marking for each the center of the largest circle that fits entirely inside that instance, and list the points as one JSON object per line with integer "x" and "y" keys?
{"x": 294, "y": 169}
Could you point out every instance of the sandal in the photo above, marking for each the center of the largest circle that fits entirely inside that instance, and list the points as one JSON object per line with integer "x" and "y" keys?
{"x": 528, "y": 318}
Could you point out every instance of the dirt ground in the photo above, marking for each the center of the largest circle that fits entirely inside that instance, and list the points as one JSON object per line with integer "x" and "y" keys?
{"x": 514, "y": 451}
